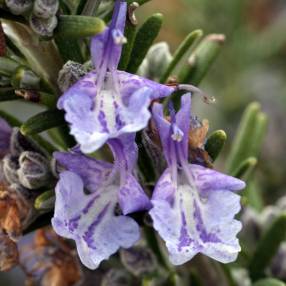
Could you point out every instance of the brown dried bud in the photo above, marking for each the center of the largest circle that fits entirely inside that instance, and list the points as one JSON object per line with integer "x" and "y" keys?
{"x": 8, "y": 253}
{"x": 15, "y": 210}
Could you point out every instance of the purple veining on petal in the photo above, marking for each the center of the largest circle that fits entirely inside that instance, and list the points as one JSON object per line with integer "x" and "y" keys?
{"x": 184, "y": 239}
{"x": 73, "y": 223}
{"x": 91, "y": 229}
{"x": 102, "y": 121}
{"x": 90, "y": 204}
{"x": 204, "y": 235}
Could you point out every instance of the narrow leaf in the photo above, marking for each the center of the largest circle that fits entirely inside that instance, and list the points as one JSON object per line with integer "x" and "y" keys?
{"x": 269, "y": 282}
{"x": 45, "y": 201}
{"x": 130, "y": 33}
{"x": 201, "y": 59}
{"x": 71, "y": 26}
{"x": 43, "y": 121}
{"x": 245, "y": 168}
{"x": 143, "y": 41}
{"x": 215, "y": 143}
{"x": 244, "y": 137}
{"x": 181, "y": 51}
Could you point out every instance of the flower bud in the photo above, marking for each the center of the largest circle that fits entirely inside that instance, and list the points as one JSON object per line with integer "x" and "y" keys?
{"x": 10, "y": 167}
{"x": 8, "y": 252}
{"x": 19, "y": 7}
{"x": 116, "y": 277}
{"x": 43, "y": 27}
{"x": 139, "y": 260}
{"x": 70, "y": 73}
{"x": 45, "y": 8}
{"x": 20, "y": 143}
{"x": 34, "y": 171}
{"x": 156, "y": 61}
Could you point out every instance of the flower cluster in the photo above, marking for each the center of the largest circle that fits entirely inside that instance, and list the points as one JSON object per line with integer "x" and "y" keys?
{"x": 192, "y": 207}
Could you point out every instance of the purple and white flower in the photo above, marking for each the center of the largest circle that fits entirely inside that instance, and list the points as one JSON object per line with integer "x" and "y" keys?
{"x": 87, "y": 198}
{"x": 107, "y": 103}
{"x": 193, "y": 206}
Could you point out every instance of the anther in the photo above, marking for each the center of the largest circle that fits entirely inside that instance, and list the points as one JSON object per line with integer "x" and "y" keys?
{"x": 191, "y": 88}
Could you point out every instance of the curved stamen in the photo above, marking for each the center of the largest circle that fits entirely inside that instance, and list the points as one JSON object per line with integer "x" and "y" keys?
{"x": 191, "y": 88}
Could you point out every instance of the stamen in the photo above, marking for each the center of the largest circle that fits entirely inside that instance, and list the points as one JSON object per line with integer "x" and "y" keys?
{"x": 178, "y": 134}
{"x": 191, "y": 88}
{"x": 118, "y": 37}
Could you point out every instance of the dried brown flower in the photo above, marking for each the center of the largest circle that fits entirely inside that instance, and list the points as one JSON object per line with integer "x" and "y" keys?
{"x": 51, "y": 260}
{"x": 8, "y": 252}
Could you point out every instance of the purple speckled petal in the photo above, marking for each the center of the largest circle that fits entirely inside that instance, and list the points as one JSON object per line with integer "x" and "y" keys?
{"x": 90, "y": 220}
{"x": 104, "y": 48}
{"x": 210, "y": 180}
{"x": 5, "y": 134}
{"x": 191, "y": 221}
{"x": 92, "y": 172}
{"x": 132, "y": 198}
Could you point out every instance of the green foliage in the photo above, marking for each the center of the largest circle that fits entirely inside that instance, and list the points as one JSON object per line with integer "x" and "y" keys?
{"x": 143, "y": 41}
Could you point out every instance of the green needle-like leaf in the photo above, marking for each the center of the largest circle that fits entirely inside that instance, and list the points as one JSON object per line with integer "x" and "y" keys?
{"x": 71, "y": 26}
{"x": 45, "y": 201}
{"x": 130, "y": 33}
{"x": 181, "y": 51}
{"x": 267, "y": 247}
{"x": 269, "y": 282}
{"x": 201, "y": 59}
{"x": 143, "y": 41}
{"x": 215, "y": 143}
{"x": 248, "y": 138}
{"x": 7, "y": 66}
{"x": 43, "y": 121}
{"x": 245, "y": 168}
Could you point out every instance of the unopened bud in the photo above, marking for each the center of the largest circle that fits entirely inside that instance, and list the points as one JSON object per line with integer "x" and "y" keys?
{"x": 20, "y": 143}
{"x": 70, "y": 73}
{"x": 8, "y": 252}
{"x": 45, "y": 8}
{"x": 139, "y": 260}
{"x": 24, "y": 78}
{"x": 34, "y": 171}
{"x": 10, "y": 167}
{"x": 19, "y": 7}
{"x": 117, "y": 277}
{"x": 157, "y": 60}
{"x": 43, "y": 27}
